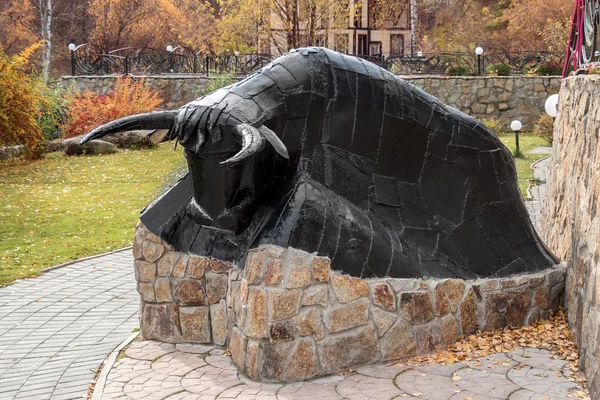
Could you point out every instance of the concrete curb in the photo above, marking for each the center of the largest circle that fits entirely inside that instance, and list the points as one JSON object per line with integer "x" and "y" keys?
{"x": 532, "y": 166}
{"x": 108, "y": 364}
{"x": 43, "y": 271}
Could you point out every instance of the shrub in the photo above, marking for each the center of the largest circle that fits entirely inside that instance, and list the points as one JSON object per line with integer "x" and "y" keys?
{"x": 544, "y": 128}
{"x": 90, "y": 110}
{"x": 547, "y": 68}
{"x": 499, "y": 69}
{"x": 21, "y": 102}
{"x": 495, "y": 125}
{"x": 55, "y": 111}
{"x": 456, "y": 71}
{"x": 218, "y": 82}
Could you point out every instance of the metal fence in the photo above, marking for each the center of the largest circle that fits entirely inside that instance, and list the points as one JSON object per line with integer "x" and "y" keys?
{"x": 89, "y": 59}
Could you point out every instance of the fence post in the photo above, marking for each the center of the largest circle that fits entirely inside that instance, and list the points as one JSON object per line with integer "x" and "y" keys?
{"x": 194, "y": 67}
{"x": 207, "y": 65}
{"x": 126, "y": 65}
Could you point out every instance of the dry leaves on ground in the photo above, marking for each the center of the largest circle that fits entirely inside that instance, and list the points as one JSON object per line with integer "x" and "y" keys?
{"x": 552, "y": 335}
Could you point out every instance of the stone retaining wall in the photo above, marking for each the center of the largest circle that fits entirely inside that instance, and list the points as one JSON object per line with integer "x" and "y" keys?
{"x": 503, "y": 97}
{"x": 570, "y": 217}
{"x": 288, "y": 317}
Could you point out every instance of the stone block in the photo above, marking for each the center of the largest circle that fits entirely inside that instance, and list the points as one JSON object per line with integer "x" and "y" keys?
{"x": 540, "y": 299}
{"x": 284, "y": 303}
{"x": 347, "y": 316}
{"x": 354, "y": 347}
{"x": 152, "y": 251}
{"x": 146, "y": 291}
{"x": 469, "y": 315}
{"x": 167, "y": 262}
{"x": 137, "y": 247}
{"x": 441, "y": 302}
{"x": 244, "y": 291}
{"x": 237, "y": 347}
{"x": 146, "y": 271}
{"x": 161, "y": 322}
{"x": 398, "y": 342}
{"x": 348, "y": 288}
{"x": 383, "y": 296}
{"x": 189, "y": 292}
{"x": 274, "y": 274}
{"x": 274, "y": 358}
{"x": 309, "y": 323}
{"x": 300, "y": 268}
{"x": 450, "y": 330}
{"x": 195, "y": 324}
{"x": 255, "y": 324}
{"x": 196, "y": 266}
{"x": 416, "y": 307}
{"x": 303, "y": 362}
{"x": 219, "y": 266}
{"x": 275, "y": 251}
{"x": 162, "y": 288}
{"x": 216, "y": 287}
{"x": 315, "y": 295}
{"x": 256, "y": 265}
{"x": 321, "y": 269}
{"x": 252, "y": 359}
{"x": 429, "y": 337}
{"x": 455, "y": 290}
{"x": 506, "y": 309}
{"x": 383, "y": 320}
{"x": 181, "y": 266}
{"x": 218, "y": 322}
{"x": 283, "y": 331}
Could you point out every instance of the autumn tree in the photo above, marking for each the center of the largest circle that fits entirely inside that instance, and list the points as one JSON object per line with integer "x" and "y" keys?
{"x": 18, "y": 28}
{"x": 134, "y": 23}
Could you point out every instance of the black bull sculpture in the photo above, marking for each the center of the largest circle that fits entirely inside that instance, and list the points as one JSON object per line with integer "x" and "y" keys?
{"x": 342, "y": 158}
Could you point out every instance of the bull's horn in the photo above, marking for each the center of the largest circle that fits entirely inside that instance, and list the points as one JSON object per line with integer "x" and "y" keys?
{"x": 275, "y": 141}
{"x": 252, "y": 143}
{"x": 151, "y": 120}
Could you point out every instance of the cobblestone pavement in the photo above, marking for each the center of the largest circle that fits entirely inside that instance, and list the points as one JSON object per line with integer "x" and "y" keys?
{"x": 153, "y": 370}
{"x": 538, "y": 192}
{"x": 55, "y": 330}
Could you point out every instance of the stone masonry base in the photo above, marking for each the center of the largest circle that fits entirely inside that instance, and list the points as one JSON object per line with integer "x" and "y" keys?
{"x": 288, "y": 317}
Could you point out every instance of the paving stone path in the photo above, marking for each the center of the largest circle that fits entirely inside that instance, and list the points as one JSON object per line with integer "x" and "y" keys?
{"x": 538, "y": 192}
{"x": 55, "y": 330}
{"x": 153, "y": 370}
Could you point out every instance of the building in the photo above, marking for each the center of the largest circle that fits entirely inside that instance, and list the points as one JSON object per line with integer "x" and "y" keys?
{"x": 375, "y": 28}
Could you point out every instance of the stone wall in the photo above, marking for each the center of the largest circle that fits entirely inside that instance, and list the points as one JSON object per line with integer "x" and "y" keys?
{"x": 288, "y": 317}
{"x": 505, "y": 98}
{"x": 570, "y": 215}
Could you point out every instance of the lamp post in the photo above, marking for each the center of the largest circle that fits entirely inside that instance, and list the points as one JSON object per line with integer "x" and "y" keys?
{"x": 516, "y": 127}
{"x": 170, "y": 50}
{"x": 72, "y": 47}
{"x": 479, "y": 53}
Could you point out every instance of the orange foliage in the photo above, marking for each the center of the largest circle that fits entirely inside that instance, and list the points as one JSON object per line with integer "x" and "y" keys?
{"x": 134, "y": 23}
{"x": 17, "y": 25}
{"x": 90, "y": 110}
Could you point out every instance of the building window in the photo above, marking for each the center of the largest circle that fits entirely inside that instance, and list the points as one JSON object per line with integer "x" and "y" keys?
{"x": 341, "y": 42}
{"x": 362, "y": 47}
{"x": 396, "y": 45}
{"x": 375, "y": 48}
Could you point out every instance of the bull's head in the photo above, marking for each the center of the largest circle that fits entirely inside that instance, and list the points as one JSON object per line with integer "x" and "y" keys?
{"x": 227, "y": 180}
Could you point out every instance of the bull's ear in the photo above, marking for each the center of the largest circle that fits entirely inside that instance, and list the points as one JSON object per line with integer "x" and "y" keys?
{"x": 275, "y": 141}
{"x": 252, "y": 143}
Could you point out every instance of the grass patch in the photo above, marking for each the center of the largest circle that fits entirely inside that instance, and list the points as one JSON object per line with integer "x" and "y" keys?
{"x": 527, "y": 142}
{"x": 63, "y": 208}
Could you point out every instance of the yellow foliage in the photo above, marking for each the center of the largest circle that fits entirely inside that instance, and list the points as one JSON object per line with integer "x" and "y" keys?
{"x": 21, "y": 102}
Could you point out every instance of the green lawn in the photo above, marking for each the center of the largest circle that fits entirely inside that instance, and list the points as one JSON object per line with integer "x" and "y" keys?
{"x": 527, "y": 142}
{"x": 62, "y": 208}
